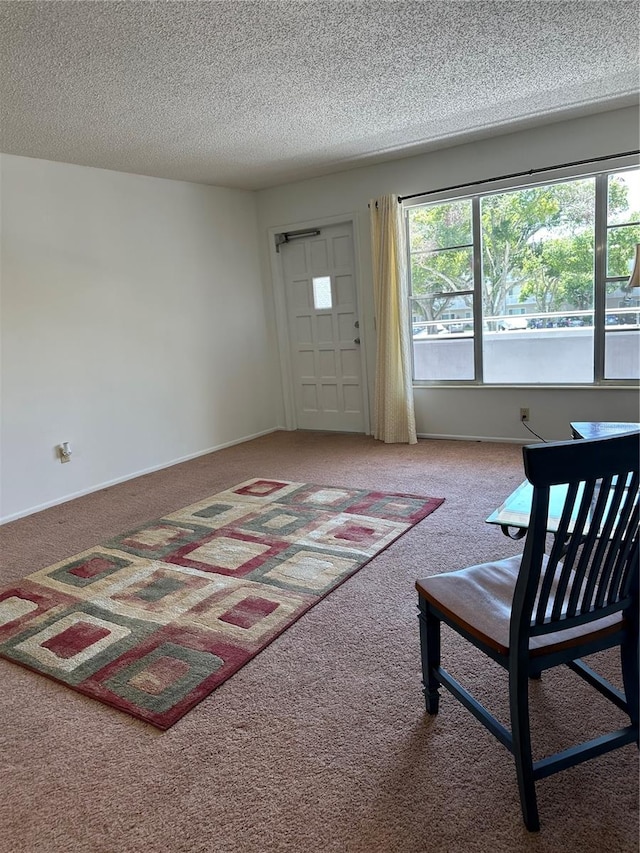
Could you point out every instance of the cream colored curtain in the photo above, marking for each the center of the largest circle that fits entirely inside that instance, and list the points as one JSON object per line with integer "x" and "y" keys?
{"x": 394, "y": 419}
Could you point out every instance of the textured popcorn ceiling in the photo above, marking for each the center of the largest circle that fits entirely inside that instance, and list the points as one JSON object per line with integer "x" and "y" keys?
{"x": 253, "y": 94}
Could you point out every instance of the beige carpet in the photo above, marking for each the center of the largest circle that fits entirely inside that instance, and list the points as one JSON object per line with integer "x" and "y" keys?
{"x": 320, "y": 743}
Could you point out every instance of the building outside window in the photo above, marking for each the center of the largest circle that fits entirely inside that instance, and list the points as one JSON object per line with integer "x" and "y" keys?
{"x": 528, "y": 285}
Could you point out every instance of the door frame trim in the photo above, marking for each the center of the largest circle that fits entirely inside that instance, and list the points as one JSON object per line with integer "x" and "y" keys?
{"x": 281, "y": 316}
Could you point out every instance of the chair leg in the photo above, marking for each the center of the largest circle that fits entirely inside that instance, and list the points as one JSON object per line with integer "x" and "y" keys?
{"x": 629, "y": 659}
{"x": 520, "y": 730}
{"x": 430, "y": 654}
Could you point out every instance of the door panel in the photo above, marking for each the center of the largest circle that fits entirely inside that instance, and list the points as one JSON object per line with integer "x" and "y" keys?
{"x": 344, "y": 289}
{"x": 322, "y": 314}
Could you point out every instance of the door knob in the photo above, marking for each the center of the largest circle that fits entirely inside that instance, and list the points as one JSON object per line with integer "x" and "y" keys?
{"x": 356, "y": 340}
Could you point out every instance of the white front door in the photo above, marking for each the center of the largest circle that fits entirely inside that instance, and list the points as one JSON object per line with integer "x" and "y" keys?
{"x": 324, "y": 333}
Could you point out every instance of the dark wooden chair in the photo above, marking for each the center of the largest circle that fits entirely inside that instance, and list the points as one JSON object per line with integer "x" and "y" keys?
{"x": 566, "y": 596}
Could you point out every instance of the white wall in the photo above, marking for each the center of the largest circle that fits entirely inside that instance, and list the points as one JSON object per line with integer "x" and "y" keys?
{"x": 470, "y": 412}
{"x": 134, "y": 322}
{"x": 133, "y": 326}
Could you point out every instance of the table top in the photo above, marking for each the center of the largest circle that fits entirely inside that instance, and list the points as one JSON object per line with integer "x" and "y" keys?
{"x": 516, "y": 510}
{"x": 601, "y": 429}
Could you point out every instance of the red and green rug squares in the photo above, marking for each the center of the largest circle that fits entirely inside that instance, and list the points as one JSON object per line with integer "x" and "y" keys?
{"x": 153, "y": 620}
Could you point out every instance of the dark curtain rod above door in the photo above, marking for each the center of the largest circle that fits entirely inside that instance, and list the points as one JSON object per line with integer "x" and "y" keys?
{"x": 519, "y": 175}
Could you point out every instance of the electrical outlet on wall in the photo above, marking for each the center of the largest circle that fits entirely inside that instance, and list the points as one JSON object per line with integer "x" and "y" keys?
{"x": 524, "y": 414}
{"x": 64, "y": 451}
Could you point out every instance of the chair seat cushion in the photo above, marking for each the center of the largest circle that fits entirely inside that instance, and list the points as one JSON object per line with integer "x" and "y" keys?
{"x": 478, "y": 598}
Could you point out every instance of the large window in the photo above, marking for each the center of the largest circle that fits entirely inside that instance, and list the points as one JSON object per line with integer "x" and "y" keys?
{"x": 528, "y": 285}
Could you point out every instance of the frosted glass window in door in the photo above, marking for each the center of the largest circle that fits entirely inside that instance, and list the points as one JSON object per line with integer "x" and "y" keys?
{"x": 322, "y": 293}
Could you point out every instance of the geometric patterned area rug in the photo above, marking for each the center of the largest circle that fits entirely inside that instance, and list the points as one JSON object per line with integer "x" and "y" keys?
{"x": 152, "y": 621}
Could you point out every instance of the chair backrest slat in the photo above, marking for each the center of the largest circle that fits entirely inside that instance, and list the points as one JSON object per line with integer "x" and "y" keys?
{"x": 549, "y": 574}
{"x": 630, "y": 534}
{"x": 615, "y": 548}
{"x": 592, "y": 562}
{"x": 605, "y": 541}
{"x": 579, "y": 599}
{"x": 572, "y": 547}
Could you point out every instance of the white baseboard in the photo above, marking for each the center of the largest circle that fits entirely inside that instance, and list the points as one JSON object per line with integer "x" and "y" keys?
{"x": 96, "y": 488}
{"x": 477, "y": 438}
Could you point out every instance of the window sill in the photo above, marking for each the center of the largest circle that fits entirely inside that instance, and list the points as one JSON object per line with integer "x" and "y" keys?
{"x": 632, "y": 385}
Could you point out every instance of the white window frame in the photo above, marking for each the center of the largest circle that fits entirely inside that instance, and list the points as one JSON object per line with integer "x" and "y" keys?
{"x": 489, "y": 188}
